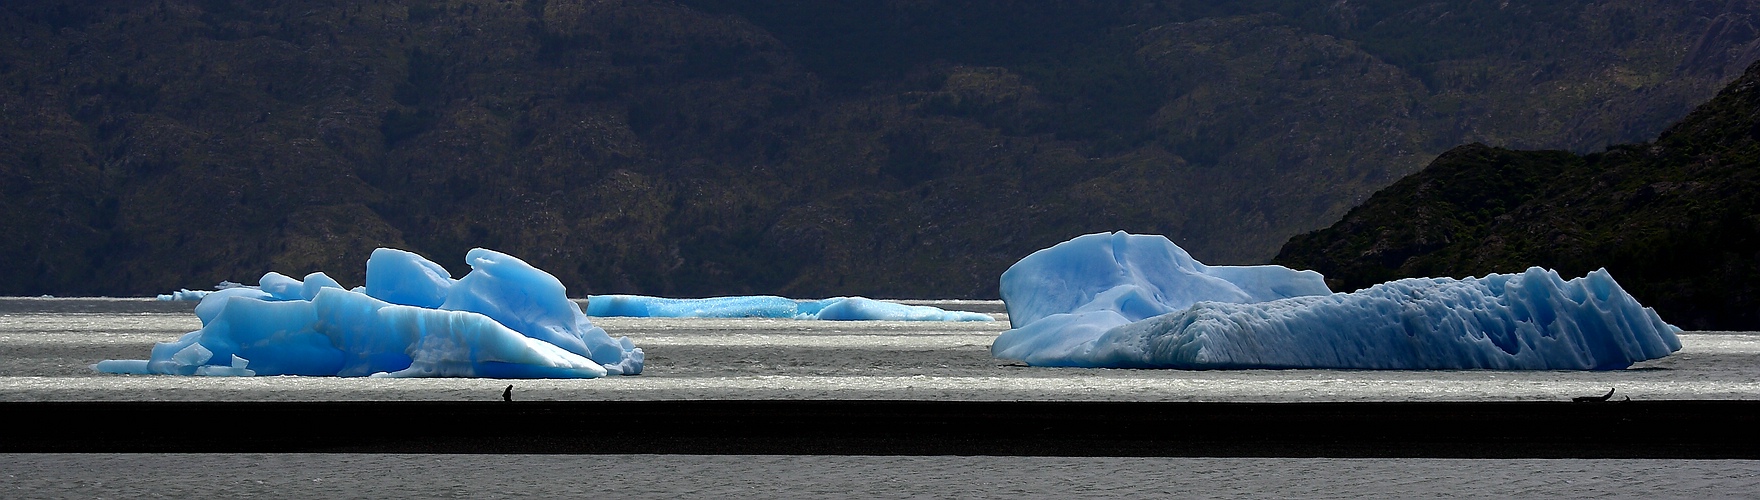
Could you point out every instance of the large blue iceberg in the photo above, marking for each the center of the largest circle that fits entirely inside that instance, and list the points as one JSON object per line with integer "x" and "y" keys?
{"x": 504, "y": 319}
{"x": 768, "y": 306}
{"x": 1135, "y": 301}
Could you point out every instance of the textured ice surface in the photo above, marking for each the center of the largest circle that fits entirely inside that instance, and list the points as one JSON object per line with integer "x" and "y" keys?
{"x": 401, "y": 277}
{"x": 504, "y": 319}
{"x": 1119, "y": 300}
{"x": 766, "y": 306}
{"x": 1063, "y": 297}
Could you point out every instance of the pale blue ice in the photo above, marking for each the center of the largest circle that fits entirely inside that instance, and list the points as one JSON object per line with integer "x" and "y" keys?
{"x": 184, "y": 294}
{"x": 767, "y": 306}
{"x": 1121, "y": 300}
{"x": 504, "y": 319}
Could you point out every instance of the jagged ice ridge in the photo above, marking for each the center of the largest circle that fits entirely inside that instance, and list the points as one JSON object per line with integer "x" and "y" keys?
{"x": 504, "y": 319}
{"x": 1121, "y": 300}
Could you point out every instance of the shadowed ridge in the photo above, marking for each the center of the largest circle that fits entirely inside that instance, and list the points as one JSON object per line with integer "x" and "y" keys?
{"x": 1672, "y": 220}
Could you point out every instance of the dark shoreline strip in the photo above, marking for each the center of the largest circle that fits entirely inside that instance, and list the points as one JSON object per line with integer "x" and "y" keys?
{"x": 1633, "y": 429}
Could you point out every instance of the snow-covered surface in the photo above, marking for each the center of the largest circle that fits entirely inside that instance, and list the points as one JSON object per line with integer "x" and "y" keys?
{"x": 768, "y": 306}
{"x": 1120, "y": 300}
{"x": 505, "y": 319}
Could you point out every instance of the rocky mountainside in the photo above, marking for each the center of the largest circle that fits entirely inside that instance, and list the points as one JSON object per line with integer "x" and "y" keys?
{"x": 806, "y": 148}
{"x": 1676, "y": 221}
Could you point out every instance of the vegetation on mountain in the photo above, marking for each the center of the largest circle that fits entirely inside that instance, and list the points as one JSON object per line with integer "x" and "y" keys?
{"x": 1676, "y": 221}
{"x": 806, "y": 148}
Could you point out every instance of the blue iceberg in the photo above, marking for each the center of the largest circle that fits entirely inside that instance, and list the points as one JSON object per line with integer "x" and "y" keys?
{"x": 1132, "y": 301}
{"x": 184, "y": 294}
{"x": 769, "y": 306}
{"x": 504, "y": 319}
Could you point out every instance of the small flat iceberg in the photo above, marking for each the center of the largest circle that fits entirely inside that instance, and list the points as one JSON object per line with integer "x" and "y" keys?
{"x": 1134, "y": 301}
{"x": 187, "y": 295}
{"x": 504, "y": 319}
{"x": 768, "y": 306}
{"x": 184, "y": 295}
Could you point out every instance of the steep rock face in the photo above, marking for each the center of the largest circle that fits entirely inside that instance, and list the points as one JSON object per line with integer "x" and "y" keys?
{"x": 706, "y": 147}
{"x": 1674, "y": 220}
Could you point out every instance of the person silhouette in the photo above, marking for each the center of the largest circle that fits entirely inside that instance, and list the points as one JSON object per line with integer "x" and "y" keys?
{"x": 507, "y": 394}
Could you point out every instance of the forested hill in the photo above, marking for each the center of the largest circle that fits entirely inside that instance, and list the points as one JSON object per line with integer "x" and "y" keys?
{"x": 799, "y": 147}
{"x": 1676, "y": 221}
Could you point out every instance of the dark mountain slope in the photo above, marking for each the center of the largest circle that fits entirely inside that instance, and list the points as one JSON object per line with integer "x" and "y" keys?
{"x": 1676, "y": 221}
{"x": 805, "y": 148}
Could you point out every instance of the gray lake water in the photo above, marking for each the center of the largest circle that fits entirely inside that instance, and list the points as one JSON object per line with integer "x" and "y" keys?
{"x": 46, "y": 346}
{"x": 686, "y": 476}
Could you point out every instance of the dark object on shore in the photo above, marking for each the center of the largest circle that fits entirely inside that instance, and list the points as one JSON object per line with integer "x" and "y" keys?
{"x": 1578, "y": 399}
{"x": 507, "y": 394}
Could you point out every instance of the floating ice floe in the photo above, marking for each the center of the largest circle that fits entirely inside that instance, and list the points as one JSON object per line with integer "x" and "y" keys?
{"x": 186, "y": 294}
{"x": 1134, "y": 301}
{"x": 767, "y": 306}
{"x": 504, "y": 319}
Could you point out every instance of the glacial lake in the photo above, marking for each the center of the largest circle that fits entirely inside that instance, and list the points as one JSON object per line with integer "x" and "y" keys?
{"x": 781, "y": 476}
{"x": 47, "y": 344}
